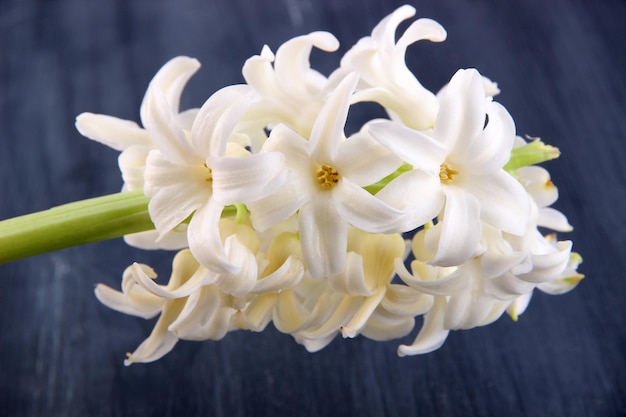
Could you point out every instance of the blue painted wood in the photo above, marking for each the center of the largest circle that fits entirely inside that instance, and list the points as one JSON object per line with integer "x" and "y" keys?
{"x": 562, "y": 68}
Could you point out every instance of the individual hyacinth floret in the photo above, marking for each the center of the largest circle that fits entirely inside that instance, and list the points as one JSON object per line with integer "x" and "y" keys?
{"x": 319, "y": 224}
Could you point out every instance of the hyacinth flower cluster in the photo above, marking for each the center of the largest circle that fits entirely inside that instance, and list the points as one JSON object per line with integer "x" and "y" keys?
{"x": 280, "y": 217}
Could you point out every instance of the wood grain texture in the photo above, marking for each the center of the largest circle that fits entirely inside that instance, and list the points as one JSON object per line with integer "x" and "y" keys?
{"x": 561, "y": 65}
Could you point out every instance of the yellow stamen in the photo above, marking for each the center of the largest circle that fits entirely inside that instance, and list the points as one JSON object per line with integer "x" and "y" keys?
{"x": 327, "y": 176}
{"x": 210, "y": 177}
{"x": 446, "y": 174}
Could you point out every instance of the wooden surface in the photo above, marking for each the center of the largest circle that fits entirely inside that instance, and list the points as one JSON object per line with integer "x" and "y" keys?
{"x": 561, "y": 66}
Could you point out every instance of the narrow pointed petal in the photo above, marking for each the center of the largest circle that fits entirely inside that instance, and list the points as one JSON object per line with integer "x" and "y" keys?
{"x": 404, "y": 300}
{"x": 285, "y": 277}
{"x": 327, "y": 131}
{"x": 205, "y": 242}
{"x": 456, "y": 238}
{"x": 160, "y": 341}
{"x": 383, "y": 327}
{"x": 413, "y": 147}
{"x": 417, "y": 194}
{"x": 323, "y": 236}
{"x": 351, "y": 280}
{"x": 203, "y": 317}
{"x": 173, "y": 240}
{"x": 259, "y": 74}
{"x": 161, "y": 123}
{"x": 240, "y": 284}
{"x": 432, "y": 335}
{"x": 292, "y": 60}
{"x": 171, "y": 80}
{"x": 462, "y": 108}
{"x": 120, "y": 302}
{"x": 450, "y": 284}
{"x": 217, "y": 119}
{"x": 175, "y": 191}
{"x": 504, "y": 203}
{"x": 362, "y": 315}
{"x": 363, "y": 210}
{"x": 247, "y": 179}
{"x": 132, "y": 164}
{"x": 277, "y": 207}
{"x": 115, "y": 133}
{"x": 153, "y": 348}
{"x": 553, "y": 219}
{"x": 365, "y": 161}
{"x": 490, "y": 150}
{"x": 384, "y": 34}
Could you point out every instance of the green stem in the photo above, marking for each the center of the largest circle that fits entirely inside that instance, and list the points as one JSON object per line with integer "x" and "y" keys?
{"x": 74, "y": 224}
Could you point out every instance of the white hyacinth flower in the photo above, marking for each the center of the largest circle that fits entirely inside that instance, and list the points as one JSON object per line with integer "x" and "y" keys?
{"x": 385, "y": 78}
{"x": 458, "y": 171}
{"x": 326, "y": 174}
{"x": 193, "y": 174}
{"x": 315, "y": 245}
{"x": 289, "y": 91}
{"x": 135, "y": 142}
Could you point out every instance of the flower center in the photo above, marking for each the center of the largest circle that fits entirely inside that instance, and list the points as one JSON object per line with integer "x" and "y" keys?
{"x": 446, "y": 174}
{"x": 209, "y": 174}
{"x": 327, "y": 176}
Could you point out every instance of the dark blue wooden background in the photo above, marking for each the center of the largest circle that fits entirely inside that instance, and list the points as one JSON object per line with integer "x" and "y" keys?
{"x": 561, "y": 65}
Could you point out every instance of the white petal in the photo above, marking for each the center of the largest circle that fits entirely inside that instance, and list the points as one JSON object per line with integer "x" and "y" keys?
{"x": 553, "y": 219}
{"x": 363, "y": 210}
{"x": 132, "y": 163}
{"x": 278, "y": 206}
{"x": 504, "y": 203}
{"x": 205, "y": 242}
{"x": 191, "y": 284}
{"x": 406, "y": 301}
{"x": 362, "y": 315}
{"x": 450, "y": 284}
{"x": 248, "y": 179}
{"x": 432, "y": 335}
{"x": 549, "y": 266}
{"x": 364, "y": 161}
{"x": 241, "y": 283}
{"x": 292, "y": 60}
{"x": 217, "y": 118}
{"x": 330, "y": 323}
{"x": 413, "y": 147}
{"x": 382, "y": 327}
{"x": 259, "y": 74}
{"x": 417, "y": 194}
{"x": 171, "y": 80}
{"x": 490, "y": 150}
{"x": 172, "y": 240}
{"x": 203, "y": 317}
{"x": 286, "y": 141}
{"x": 456, "y": 237}
{"x": 161, "y": 123}
{"x": 153, "y": 348}
{"x": 327, "y": 131}
{"x": 285, "y": 277}
{"x": 116, "y": 133}
{"x": 518, "y": 306}
{"x": 506, "y": 286}
{"x": 462, "y": 109}
{"x": 288, "y": 314}
{"x": 351, "y": 280}
{"x": 323, "y": 236}
{"x": 120, "y": 302}
{"x": 384, "y": 34}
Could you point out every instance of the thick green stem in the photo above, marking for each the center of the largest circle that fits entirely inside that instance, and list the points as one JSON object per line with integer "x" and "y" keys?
{"x": 74, "y": 224}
